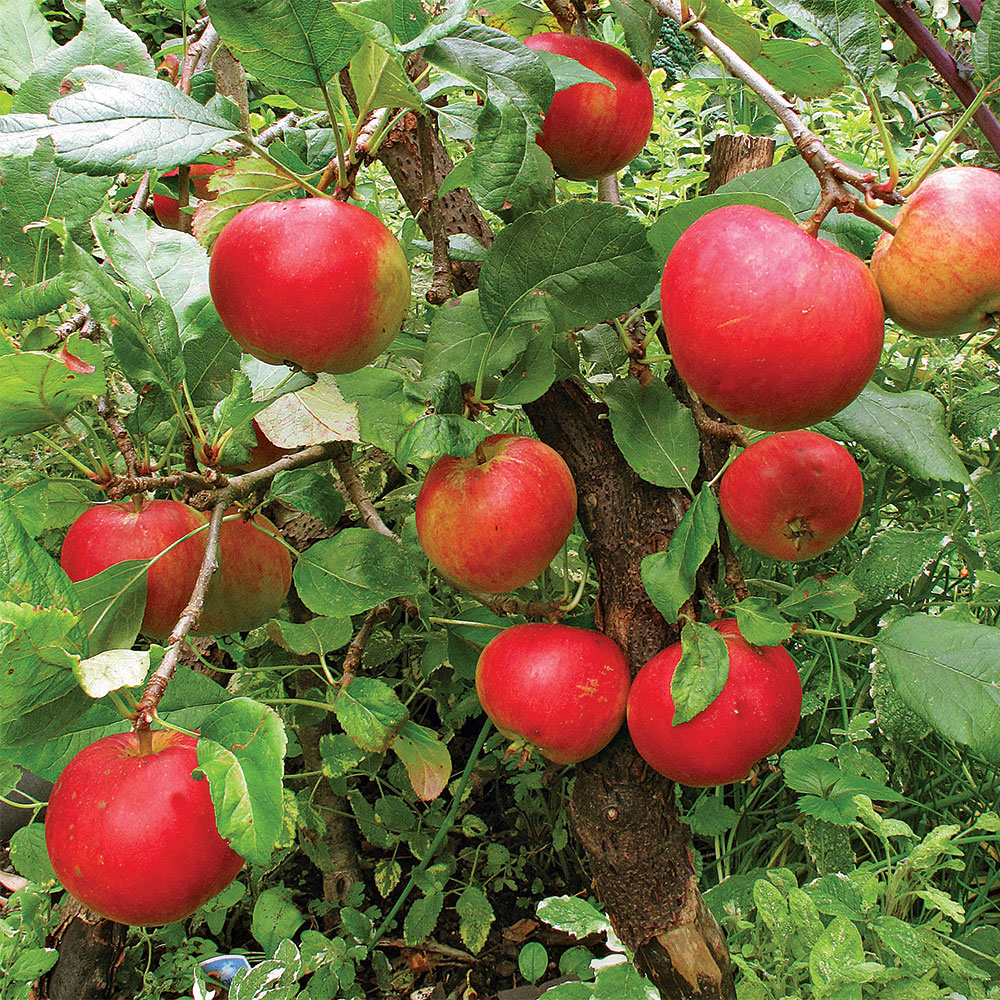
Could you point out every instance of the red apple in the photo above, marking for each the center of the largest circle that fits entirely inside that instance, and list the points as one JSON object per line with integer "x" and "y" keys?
{"x": 792, "y": 496}
{"x": 559, "y": 689}
{"x": 592, "y": 130}
{"x": 254, "y": 568}
{"x": 108, "y": 534}
{"x": 316, "y": 283}
{"x": 167, "y": 209}
{"x": 940, "y": 274}
{"x": 755, "y": 714}
{"x": 494, "y": 520}
{"x": 133, "y": 835}
{"x": 772, "y": 327}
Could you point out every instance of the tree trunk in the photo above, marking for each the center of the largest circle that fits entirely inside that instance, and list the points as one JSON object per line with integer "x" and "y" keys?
{"x": 90, "y": 949}
{"x": 733, "y": 155}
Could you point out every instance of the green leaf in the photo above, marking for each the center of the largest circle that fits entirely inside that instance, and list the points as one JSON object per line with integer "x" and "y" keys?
{"x": 623, "y": 981}
{"x": 101, "y": 41}
{"x": 986, "y": 42}
{"x": 118, "y": 121}
{"x": 573, "y": 915}
{"x": 669, "y": 577}
{"x": 655, "y": 433}
{"x": 353, "y": 572}
{"x": 39, "y": 390}
{"x": 275, "y": 917}
{"x": 312, "y": 415}
{"x": 318, "y": 635}
{"x": 429, "y": 438}
{"x": 701, "y": 672}
{"x": 242, "y": 751}
{"x": 905, "y": 429}
{"x": 29, "y": 856}
{"x": 711, "y": 817}
{"x": 895, "y": 558}
{"x": 295, "y": 48}
{"x": 25, "y": 40}
{"x": 670, "y": 225}
{"x": 32, "y": 963}
{"x": 340, "y": 754}
{"x": 370, "y": 713}
{"x": 835, "y": 596}
{"x": 850, "y": 27}
{"x": 380, "y": 81}
{"x": 112, "y": 669}
{"x": 34, "y": 301}
{"x": 475, "y": 915}
{"x": 727, "y": 25}
{"x": 422, "y": 918}
{"x": 601, "y": 346}
{"x": 578, "y": 263}
{"x": 45, "y": 504}
{"x": 948, "y": 672}
{"x": 800, "y": 69}
{"x": 760, "y": 622}
{"x": 425, "y": 758}
{"x": 112, "y": 605}
{"x": 532, "y": 961}
{"x": 835, "y": 956}
{"x": 310, "y": 491}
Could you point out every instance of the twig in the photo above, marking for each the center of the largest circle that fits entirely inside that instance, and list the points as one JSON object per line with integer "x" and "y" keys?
{"x": 504, "y": 604}
{"x": 358, "y": 158}
{"x": 359, "y": 495}
{"x": 353, "y": 658}
{"x": 277, "y": 130}
{"x": 717, "y": 428}
{"x": 441, "y": 286}
{"x": 734, "y": 571}
{"x": 76, "y": 322}
{"x": 106, "y": 410}
{"x": 157, "y": 684}
{"x": 564, "y": 12}
{"x": 908, "y": 19}
{"x": 834, "y": 176}
{"x": 141, "y": 195}
{"x": 206, "y": 35}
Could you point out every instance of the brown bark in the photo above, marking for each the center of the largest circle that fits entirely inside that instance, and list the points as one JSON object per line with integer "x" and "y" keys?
{"x": 733, "y": 155}
{"x": 90, "y": 950}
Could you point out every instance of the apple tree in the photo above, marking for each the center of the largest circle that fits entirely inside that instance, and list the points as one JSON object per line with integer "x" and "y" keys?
{"x": 379, "y": 270}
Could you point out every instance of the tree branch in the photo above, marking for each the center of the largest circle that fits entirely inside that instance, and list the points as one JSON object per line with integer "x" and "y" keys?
{"x": 908, "y": 19}
{"x": 359, "y": 495}
{"x": 106, "y": 409}
{"x": 441, "y": 287}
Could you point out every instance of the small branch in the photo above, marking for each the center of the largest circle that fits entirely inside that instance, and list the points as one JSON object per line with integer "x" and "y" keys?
{"x": 974, "y": 8}
{"x": 441, "y": 286}
{"x": 75, "y": 323}
{"x": 717, "y": 428}
{"x": 908, "y": 19}
{"x": 277, "y": 130}
{"x": 359, "y": 495}
{"x": 564, "y": 12}
{"x": 734, "y": 571}
{"x": 141, "y": 195}
{"x": 835, "y": 177}
{"x": 157, "y": 684}
{"x": 504, "y": 604}
{"x": 353, "y": 658}
{"x": 106, "y": 410}
{"x": 206, "y": 34}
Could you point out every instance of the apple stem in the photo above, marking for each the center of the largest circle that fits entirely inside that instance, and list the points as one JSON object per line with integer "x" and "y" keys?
{"x": 145, "y": 737}
{"x": 481, "y": 458}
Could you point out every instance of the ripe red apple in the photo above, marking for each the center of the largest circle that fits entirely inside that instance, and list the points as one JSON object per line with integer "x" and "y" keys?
{"x": 792, "y": 496}
{"x": 254, "y": 568}
{"x": 772, "y": 327}
{"x": 755, "y": 714}
{"x": 133, "y": 835}
{"x": 167, "y": 209}
{"x": 316, "y": 283}
{"x": 592, "y": 130}
{"x": 940, "y": 274}
{"x": 560, "y": 689}
{"x": 108, "y": 534}
{"x": 494, "y": 520}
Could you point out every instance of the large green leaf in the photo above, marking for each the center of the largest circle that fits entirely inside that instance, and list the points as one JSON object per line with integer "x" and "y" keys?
{"x": 986, "y": 42}
{"x": 577, "y": 263}
{"x": 799, "y": 68}
{"x": 295, "y": 47}
{"x": 117, "y": 121}
{"x": 25, "y": 39}
{"x": 948, "y": 672}
{"x": 906, "y": 429}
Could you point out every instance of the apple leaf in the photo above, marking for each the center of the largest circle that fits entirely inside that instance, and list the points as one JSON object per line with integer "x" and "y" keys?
{"x": 101, "y": 41}
{"x": 578, "y": 263}
{"x": 669, "y": 576}
{"x": 655, "y": 433}
{"x": 291, "y": 47}
{"x": 370, "y": 713}
{"x": 340, "y": 754}
{"x": 319, "y": 635}
{"x": 835, "y": 596}
{"x": 905, "y": 429}
{"x": 310, "y": 491}
{"x": 531, "y": 374}
{"x": 799, "y": 68}
{"x": 437, "y": 434}
{"x": 426, "y": 759}
{"x": 726, "y": 24}
{"x": 760, "y": 622}
{"x": 242, "y": 751}
{"x": 112, "y": 669}
{"x": 450, "y": 17}
{"x": 986, "y": 42}
{"x": 850, "y": 27}
{"x": 700, "y": 674}
{"x": 112, "y": 605}
{"x": 25, "y": 40}
{"x": 31, "y": 859}
{"x": 948, "y": 672}
{"x": 44, "y": 504}
{"x": 33, "y": 301}
{"x": 118, "y": 121}
{"x": 312, "y": 415}
{"x": 894, "y": 558}
{"x": 378, "y": 395}
{"x": 41, "y": 389}
{"x": 354, "y": 571}
{"x": 380, "y": 80}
